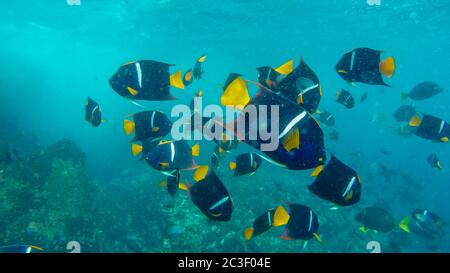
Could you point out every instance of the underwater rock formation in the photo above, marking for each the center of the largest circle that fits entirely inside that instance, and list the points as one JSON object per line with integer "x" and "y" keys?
{"x": 43, "y": 199}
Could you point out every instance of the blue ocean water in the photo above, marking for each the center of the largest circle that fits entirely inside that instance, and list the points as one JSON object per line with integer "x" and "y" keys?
{"x": 54, "y": 55}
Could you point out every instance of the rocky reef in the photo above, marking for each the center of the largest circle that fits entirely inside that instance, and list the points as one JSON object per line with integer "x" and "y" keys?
{"x": 44, "y": 198}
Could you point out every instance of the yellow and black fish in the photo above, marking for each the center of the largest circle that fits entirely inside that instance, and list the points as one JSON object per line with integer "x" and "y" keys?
{"x": 93, "y": 112}
{"x": 364, "y": 65}
{"x": 173, "y": 183}
{"x": 302, "y": 224}
{"x": 188, "y": 77}
{"x": 434, "y": 161}
{"x": 245, "y": 164}
{"x": 303, "y": 87}
{"x": 198, "y": 70}
{"x": 147, "y": 125}
{"x": 430, "y": 127}
{"x": 337, "y": 183}
{"x": 168, "y": 156}
{"x": 264, "y": 222}
{"x": 326, "y": 118}
{"x": 345, "y": 98}
{"x": 146, "y": 80}
{"x": 210, "y": 195}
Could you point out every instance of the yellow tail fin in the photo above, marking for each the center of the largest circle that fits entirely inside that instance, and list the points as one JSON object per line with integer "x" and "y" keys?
{"x": 136, "y": 149}
{"x": 387, "y": 67}
{"x": 128, "y": 126}
{"x": 176, "y": 80}
{"x": 286, "y": 68}
{"x": 248, "y": 233}
{"x": 236, "y": 94}
{"x": 404, "y": 224}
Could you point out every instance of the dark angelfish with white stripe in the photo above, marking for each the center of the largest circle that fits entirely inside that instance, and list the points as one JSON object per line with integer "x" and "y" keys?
{"x": 147, "y": 125}
{"x": 198, "y": 69}
{"x": 169, "y": 156}
{"x": 246, "y": 163}
{"x": 430, "y": 127}
{"x": 146, "y": 80}
{"x": 93, "y": 112}
{"x": 326, "y": 118}
{"x": 303, "y": 87}
{"x": 364, "y": 65}
{"x": 337, "y": 183}
{"x": 210, "y": 195}
{"x": 345, "y": 98}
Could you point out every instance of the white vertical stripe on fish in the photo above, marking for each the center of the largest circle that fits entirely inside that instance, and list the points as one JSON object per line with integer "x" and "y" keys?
{"x": 292, "y": 124}
{"x": 349, "y": 186}
{"x": 442, "y": 126}
{"x": 92, "y": 113}
{"x": 152, "y": 119}
{"x": 251, "y": 160}
{"x": 269, "y": 217}
{"x": 139, "y": 73}
{"x": 172, "y": 149}
{"x": 310, "y": 220}
{"x": 352, "y": 61}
